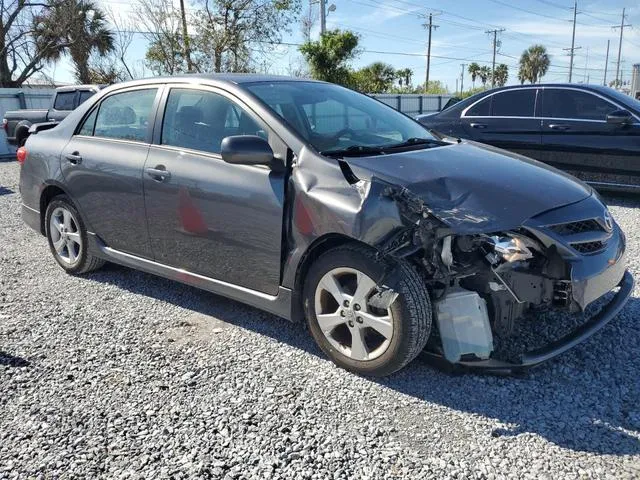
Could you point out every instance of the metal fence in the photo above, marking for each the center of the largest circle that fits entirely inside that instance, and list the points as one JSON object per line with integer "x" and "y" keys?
{"x": 19, "y": 98}
{"x": 414, "y": 104}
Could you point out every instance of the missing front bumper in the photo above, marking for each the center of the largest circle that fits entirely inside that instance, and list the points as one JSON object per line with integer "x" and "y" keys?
{"x": 536, "y": 357}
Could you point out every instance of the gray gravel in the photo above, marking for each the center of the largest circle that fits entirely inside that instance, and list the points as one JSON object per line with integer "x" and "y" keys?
{"x": 120, "y": 374}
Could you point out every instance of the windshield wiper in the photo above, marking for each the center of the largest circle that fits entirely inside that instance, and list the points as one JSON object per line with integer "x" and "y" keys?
{"x": 355, "y": 150}
{"x": 416, "y": 141}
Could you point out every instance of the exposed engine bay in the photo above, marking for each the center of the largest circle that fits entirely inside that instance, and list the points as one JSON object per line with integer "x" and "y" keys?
{"x": 482, "y": 284}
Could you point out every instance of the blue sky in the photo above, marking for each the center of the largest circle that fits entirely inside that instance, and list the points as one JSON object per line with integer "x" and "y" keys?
{"x": 395, "y": 26}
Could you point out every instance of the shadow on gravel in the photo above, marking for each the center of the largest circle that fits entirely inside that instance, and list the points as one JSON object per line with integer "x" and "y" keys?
{"x": 588, "y": 400}
{"x": 8, "y": 360}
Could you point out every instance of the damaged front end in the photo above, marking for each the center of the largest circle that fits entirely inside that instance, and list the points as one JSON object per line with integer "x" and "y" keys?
{"x": 493, "y": 249}
{"x": 483, "y": 284}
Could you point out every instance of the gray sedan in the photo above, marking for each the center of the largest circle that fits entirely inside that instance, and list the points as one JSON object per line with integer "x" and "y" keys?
{"x": 309, "y": 200}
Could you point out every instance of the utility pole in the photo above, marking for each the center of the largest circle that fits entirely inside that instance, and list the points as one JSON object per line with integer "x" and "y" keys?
{"x": 495, "y": 44}
{"x": 573, "y": 39}
{"x": 463, "y": 65}
{"x": 586, "y": 67}
{"x": 430, "y": 26}
{"x": 187, "y": 50}
{"x": 606, "y": 64}
{"x": 622, "y": 25}
{"x": 323, "y": 17}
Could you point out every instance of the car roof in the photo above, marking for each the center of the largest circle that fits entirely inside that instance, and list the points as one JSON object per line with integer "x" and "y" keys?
{"x": 579, "y": 86}
{"x": 236, "y": 78}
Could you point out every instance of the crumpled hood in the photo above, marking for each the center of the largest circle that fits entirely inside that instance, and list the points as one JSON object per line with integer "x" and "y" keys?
{"x": 475, "y": 188}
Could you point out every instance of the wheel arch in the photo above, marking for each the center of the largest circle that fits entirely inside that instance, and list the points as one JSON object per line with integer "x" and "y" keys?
{"x": 312, "y": 253}
{"x": 48, "y": 193}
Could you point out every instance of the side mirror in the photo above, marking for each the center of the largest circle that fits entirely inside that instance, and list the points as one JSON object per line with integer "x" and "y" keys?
{"x": 246, "y": 150}
{"x": 619, "y": 117}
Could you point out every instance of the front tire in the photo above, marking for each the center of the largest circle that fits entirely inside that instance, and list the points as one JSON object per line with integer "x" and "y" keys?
{"x": 67, "y": 237}
{"x": 357, "y": 335}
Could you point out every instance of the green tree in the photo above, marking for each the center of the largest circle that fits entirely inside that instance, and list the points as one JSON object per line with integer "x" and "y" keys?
{"x": 501, "y": 75}
{"x": 375, "y": 78}
{"x": 329, "y": 57}
{"x": 86, "y": 32}
{"x": 534, "y": 63}
{"x": 231, "y": 34}
{"x": 474, "y": 71}
{"x": 485, "y": 75}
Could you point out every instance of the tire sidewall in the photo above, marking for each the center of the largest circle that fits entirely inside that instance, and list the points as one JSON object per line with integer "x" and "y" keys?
{"x": 65, "y": 202}
{"x": 392, "y": 359}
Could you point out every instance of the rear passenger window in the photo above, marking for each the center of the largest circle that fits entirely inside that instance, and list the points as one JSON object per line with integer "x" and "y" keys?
{"x": 64, "y": 101}
{"x": 573, "y": 104}
{"x": 125, "y": 116}
{"x": 514, "y": 103}
{"x": 199, "y": 120}
{"x": 89, "y": 123}
{"x": 480, "y": 109}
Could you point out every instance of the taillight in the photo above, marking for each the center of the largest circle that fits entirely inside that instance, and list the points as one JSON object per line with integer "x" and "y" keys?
{"x": 5, "y": 124}
{"x": 21, "y": 155}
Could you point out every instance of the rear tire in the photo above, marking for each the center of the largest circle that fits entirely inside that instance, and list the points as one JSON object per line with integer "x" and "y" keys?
{"x": 356, "y": 335}
{"x": 67, "y": 237}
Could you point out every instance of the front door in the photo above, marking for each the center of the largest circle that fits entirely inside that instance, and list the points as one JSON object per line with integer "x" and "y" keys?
{"x": 506, "y": 120}
{"x": 102, "y": 166}
{"x": 207, "y": 216}
{"x": 577, "y": 138}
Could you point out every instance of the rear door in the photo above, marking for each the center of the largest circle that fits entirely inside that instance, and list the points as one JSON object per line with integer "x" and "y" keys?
{"x": 577, "y": 138}
{"x": 506, "y": 119}
{"x": 103, "y": 163}
{"x": 207, "y": 216}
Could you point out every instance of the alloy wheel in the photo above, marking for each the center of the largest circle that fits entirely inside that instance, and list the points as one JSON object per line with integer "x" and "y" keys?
{"x": 65, "y": 235}
{"x": 347, "y": 320}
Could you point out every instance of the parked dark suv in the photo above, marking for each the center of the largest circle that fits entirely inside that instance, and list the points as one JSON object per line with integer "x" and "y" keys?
{"x": 309, "y": 200}
{"x": 590, "y": 131}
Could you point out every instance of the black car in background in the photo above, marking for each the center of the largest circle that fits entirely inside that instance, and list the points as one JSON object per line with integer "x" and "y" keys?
{"x": 590, "y": 131}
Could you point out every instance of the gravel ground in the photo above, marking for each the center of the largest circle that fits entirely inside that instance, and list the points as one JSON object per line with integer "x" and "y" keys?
{"x": 120, "y": 374}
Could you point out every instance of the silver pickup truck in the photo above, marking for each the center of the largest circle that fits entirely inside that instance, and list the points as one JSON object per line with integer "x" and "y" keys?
{"x": 16, "y": 123}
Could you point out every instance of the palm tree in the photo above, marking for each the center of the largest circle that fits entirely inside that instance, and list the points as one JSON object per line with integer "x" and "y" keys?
{"x": 404, "y": 76}
{"x": 501, "y": 75}
{"x": 485, "y": 74}
{"x": 86, "y": 32}
{"x": 534, "y": 64}
{"x": 474, "y": 71}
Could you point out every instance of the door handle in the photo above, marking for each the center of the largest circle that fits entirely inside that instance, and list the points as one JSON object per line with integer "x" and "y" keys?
{"x": 478, "y": 125}
{"x": 74, "y": 158}
{"x": 159, "y": 173}
{"x": 559, "y": 126}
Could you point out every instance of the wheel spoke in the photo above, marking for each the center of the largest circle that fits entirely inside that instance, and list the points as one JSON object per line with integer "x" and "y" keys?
{"x": 56, "y": 223}
{"x": 381, "y": 324}
{"x": 72, "y": 251}
{"x": 358, "y": 347}
{"x": 67, "y": 219}
{"x": 331, "y": 285}
{"x": 329, "y": 321}
{"x": 74, "y": 237}
{"x": 59, "y": 244}
{"x": 364, "y": 288}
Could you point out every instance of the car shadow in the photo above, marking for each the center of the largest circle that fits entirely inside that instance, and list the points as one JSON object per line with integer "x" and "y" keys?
{"x": 556, "y": 401}
{"x": 8, "y": 360}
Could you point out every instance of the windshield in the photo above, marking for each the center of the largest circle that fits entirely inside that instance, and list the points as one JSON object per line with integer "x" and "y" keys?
{"x": 332, "y": 118}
